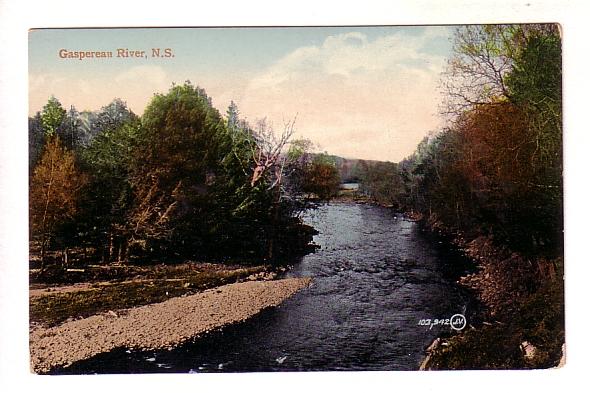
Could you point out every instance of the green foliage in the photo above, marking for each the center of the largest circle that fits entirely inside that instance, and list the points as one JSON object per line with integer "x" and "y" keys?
{"x": 52, "y": 116}
{"x": 382, "y": 182}
{"x": 36, "y": 140}
{"x": 176, "y": 166}
{"x": 112, "y": 116}
{"x": 176, "y": 183}
{"x": 535, "y": 85}
{"x": 321, "y": 177}
{"x": 497, "y": 169}
{"x": 108, "y": 160}
{"x": 191, "y": 181}
{"x": 298, "y": 149}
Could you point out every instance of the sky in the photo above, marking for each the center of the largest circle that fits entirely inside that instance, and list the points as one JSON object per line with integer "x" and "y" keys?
{"x": 357, "y": 92}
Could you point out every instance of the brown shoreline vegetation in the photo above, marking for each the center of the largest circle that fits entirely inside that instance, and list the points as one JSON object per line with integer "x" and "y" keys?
{"x": 156, "y": 326}
{"x": 522, "y": 323}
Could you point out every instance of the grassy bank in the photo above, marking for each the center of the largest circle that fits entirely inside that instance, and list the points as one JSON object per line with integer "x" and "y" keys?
{"x": 135, "y": 287}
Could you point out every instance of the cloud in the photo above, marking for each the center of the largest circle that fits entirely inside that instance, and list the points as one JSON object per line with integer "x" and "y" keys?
{"x": 135, "y": 85}
{"x": 355, "y": 96}
{"x": 144, "y": 74}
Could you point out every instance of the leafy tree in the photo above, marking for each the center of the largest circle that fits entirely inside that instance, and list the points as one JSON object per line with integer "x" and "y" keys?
{"x": 54, "y": 192}
{"x": 69, "y": 130}
{"x": 535, "y": 85}
{"x": 322, "y": 177}
{"x": 497, "y": 170}
{"x": 112, "y": 116}
{"x": 298, "y": 158}
{"x": 52, "y": 116}
{"x": 36, "y": 140}
{"x": 108, "y": 160}
{"x": 175, "y": 164}
{"x": 191, "y": 177}
{"x": 382, "y": 182}
{"x": 484, "y": 56}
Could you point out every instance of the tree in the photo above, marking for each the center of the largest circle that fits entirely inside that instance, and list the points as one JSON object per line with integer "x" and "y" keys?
{"x": 112, "y": 116}
{"x": 52, "y": 116}
{"x": 54, "y": 191}
{"x": 298, "y": 160}
{"x": 483, "y": 57}
{"x": 179, "y": 175}
{"x": 535, "y": 85}
{"x": 382, "y": 182}
{"x": 321, "y": 177}
{"x": 69, "y": 131}
{"x": 107, "y": 196}
{"x": 270, "y": 162}
{"x": 36, "y": 140}
{"x": 269, "y": 154}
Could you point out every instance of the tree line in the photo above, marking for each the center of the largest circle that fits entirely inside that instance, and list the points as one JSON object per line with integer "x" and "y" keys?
{"x": 496, "y": 168}
{"x": 180, "y": 181}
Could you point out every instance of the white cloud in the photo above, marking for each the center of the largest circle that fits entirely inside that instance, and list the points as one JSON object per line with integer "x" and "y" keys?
{"x": 353, "y": 96}
{"x": 135, "y": 85}
{"x": 144, "y": 74}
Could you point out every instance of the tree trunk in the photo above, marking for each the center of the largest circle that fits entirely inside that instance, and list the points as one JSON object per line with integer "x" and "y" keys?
{"x": 111, "y": 247}
{"x": 65, "y": 258}
{"x": 43, "y": 254}
{"x": 274, "y": 222}
{"x": 122, "y": 250}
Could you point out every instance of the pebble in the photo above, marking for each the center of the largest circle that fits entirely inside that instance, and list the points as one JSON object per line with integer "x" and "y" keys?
{"x": 150, "y": 327}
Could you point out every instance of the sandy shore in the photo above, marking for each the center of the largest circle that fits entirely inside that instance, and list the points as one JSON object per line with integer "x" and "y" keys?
{"x": 160, "y": 325}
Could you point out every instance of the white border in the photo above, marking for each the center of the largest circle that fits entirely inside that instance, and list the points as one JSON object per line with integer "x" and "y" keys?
{"x": 16, "y": 17}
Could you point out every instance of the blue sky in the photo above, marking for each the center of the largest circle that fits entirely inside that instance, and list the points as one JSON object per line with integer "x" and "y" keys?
{"x": 364, "y": 92}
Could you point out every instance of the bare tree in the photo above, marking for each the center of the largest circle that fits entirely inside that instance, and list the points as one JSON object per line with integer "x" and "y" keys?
{"x": 475, "y": 74}
{"x": 268, "y": 153}
{"x": 270, "y": 159}
{"x": 483, "y": 56}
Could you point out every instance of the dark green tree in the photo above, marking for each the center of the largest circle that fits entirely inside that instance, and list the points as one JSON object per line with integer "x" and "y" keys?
{"x": 107, "y": 196}
{"x": 36, "y": 140}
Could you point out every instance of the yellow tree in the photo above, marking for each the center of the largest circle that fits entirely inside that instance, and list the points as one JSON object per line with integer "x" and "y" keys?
{"x": 53, "y": 192}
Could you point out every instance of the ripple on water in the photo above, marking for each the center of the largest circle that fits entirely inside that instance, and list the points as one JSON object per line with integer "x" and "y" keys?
{"x": 375, "y": 276}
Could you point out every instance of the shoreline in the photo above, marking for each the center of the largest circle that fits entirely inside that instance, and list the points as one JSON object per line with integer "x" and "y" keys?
{"x": 513, "y": 291}
{"x": 157, "y": 326}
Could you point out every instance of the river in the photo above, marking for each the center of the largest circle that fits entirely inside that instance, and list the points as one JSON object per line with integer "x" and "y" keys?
{"x": 376, "y": 276}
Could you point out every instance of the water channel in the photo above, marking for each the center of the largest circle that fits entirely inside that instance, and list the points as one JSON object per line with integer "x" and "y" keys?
{"x": 375, "y": 277}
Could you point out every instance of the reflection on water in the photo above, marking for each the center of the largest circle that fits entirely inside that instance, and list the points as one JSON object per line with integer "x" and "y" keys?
{"x": 375, "y": 276}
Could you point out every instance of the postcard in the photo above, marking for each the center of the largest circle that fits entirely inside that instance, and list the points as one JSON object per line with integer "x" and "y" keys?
{"x": 320, "y": 198}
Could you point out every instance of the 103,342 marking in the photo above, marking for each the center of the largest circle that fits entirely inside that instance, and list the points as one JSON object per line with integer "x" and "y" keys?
{"x": 456, "y": 322}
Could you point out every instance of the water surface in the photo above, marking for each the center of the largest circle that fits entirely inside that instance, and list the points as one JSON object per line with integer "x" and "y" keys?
{"x": 375, "y": 277}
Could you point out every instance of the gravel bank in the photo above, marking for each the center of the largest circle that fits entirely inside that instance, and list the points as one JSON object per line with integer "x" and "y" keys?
{"x": 160, "y": 325}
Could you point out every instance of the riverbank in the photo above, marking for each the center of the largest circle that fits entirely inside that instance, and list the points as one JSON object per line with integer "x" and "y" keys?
{"x": 522, "y": 324}
{"x": 156, "y": 326}
{"x": 80, "y": 293}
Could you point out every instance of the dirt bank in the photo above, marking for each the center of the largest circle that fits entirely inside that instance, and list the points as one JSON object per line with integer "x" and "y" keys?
{"x": 523, "y": 322}
{"x": 160, "y": 325}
